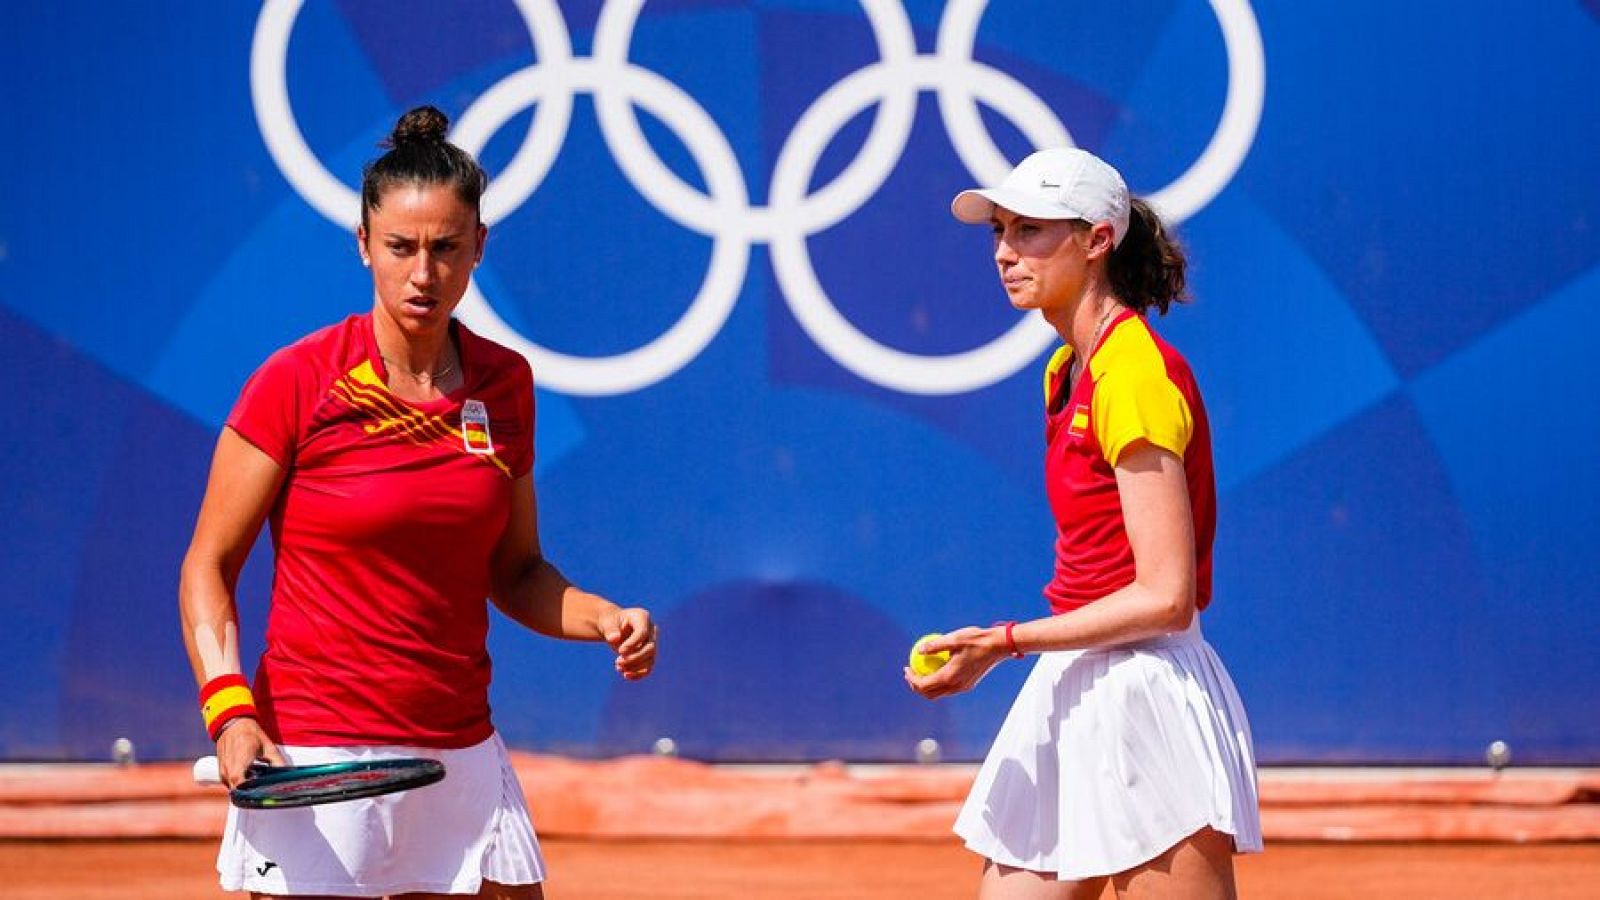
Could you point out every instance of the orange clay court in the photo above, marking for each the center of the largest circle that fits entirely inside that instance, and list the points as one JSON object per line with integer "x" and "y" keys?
{"x": 650, "y": 827}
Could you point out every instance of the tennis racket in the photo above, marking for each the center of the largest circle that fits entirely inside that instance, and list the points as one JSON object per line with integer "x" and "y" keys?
{"x": 286, "y": 787}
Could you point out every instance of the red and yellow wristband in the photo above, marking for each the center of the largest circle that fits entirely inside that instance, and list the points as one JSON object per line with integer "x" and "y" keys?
{"x": 223, "y": 699}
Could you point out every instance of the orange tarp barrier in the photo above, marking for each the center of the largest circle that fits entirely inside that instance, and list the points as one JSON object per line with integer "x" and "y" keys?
{"x": 657, "y": 798}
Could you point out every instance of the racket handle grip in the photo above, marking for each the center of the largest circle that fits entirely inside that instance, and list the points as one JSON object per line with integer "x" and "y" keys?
{"x": 206, "y": 771}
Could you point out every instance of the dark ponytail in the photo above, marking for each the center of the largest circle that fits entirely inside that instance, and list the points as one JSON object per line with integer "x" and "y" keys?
{"x": 419, "y": 154}
{"x": 1147, "y": 268}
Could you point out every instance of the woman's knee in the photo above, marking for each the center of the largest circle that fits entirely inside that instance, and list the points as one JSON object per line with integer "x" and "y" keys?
{"x": 1011, "y": 883}
{"x": 1199, "y": 866}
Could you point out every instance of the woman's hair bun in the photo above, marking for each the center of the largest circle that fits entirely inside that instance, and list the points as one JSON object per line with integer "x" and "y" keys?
{"x": 425, "y": 124}
{"x": 419, "y": 153}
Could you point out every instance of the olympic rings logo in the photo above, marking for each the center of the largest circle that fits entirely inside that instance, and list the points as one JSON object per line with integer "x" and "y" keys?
{"x": 724, "y": 212}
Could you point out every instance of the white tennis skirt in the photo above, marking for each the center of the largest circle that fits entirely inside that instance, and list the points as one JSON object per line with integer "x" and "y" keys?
{"x": 1110, "y": 757}
{"x": 445, "y": 838}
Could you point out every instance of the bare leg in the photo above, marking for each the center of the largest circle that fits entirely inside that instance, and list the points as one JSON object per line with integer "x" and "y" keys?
{"x": 1199, "y": 867}
{"x": 491, "y": 890}
{"x": 1007, "y": 883}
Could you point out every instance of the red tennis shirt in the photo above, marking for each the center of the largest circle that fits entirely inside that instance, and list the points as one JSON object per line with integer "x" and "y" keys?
{"x": 1138, "y": 388}
{"x": 383, "y": 533}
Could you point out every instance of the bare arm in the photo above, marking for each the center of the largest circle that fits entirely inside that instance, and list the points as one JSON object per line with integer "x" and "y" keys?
{"x": 240, "y": 491}
{"x": 1160, "y": 526}
{"x": 530, "y": 590}
{"x": 1161, "y": 598}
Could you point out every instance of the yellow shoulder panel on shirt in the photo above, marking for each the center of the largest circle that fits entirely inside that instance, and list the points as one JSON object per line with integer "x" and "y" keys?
{"x": 366, "y": 374}
{"x": 1058, "y": 361}
{"x": 1133, "y": 397}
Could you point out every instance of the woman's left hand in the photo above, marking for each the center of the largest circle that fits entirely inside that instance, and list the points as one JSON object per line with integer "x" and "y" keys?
{"x": 632, "y": 634}
{"x": 973, "y": 652}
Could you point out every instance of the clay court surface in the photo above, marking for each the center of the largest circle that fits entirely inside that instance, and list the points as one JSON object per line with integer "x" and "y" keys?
{"x": 645, "y": 827}
{"x": 714, "y": 870}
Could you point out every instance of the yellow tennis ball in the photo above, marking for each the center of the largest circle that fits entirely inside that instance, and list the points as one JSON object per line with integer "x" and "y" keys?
{"x": 927, "y": 663}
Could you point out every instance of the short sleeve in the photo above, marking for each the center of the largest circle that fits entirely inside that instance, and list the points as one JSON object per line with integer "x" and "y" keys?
{"x": 1140, "y": 403}
{"x": 1052, "y": 371}
{"x": 519, "y": 450}
{"x": 267, "y": 413}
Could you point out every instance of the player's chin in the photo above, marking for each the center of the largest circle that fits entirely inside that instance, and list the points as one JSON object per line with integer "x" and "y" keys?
{"x": 1022, "y": 300}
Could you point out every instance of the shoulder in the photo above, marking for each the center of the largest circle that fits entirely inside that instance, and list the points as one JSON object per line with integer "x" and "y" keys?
{"x": 1052, "y": 370}
{"x": 1142, "y": 391}
{"x": 332, "y": 347}
{"x": 278, "y": 400}
{"x": 1134, "y": 351}
{"x": 497, "y": 360}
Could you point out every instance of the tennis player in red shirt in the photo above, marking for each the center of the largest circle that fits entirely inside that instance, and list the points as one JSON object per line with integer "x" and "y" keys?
{"x": 392, "y": 455}
{"x": 1127, "y": 755}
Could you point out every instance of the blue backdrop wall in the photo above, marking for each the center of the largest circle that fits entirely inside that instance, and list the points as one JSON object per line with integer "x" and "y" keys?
{"x": 782, "y": 398}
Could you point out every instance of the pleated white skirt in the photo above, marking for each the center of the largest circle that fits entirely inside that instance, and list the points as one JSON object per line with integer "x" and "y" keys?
{"x": 1109, "y": 757}
{"x": 444, "y": 838}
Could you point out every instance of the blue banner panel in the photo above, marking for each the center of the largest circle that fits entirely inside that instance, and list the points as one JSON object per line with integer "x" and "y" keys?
{"x": 781, "y": 397}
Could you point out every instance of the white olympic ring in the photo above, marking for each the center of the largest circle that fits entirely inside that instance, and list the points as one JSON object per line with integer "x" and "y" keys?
{"x": 724, "y": 212}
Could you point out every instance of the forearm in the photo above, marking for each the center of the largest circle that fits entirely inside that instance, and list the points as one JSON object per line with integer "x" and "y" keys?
{"x": 1154, "y": 493}
{"x": 211, "y": 636}
{"x": 1134, "y": 613}
{"x": 210, "y": 621}
{"x": 542, "y": 599}
{"x": 243, "y": 483}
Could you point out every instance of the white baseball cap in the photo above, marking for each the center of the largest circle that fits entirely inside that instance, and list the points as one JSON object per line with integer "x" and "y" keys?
{"x": 1059, "y": 183}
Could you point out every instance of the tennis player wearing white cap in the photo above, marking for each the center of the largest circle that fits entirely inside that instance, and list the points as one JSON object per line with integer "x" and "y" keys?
{"x": 1127, "y": 756}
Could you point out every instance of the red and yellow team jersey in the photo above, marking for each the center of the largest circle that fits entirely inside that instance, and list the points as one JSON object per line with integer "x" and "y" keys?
{"x": 1138, "y": 388}
{"x": 383, "y": 533}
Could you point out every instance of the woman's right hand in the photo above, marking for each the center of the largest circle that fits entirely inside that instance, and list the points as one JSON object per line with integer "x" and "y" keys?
{"x": 973, "y": 652}
{"x": 243, "y": 742}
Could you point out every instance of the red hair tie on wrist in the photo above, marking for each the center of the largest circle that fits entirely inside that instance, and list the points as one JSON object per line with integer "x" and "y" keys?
{"x": 1011, "y": 639}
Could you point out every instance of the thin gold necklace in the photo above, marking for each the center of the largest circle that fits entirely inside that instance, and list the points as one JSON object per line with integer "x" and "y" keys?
{"x": 1094, "y": 341}
{"x": 418, "y": 377}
